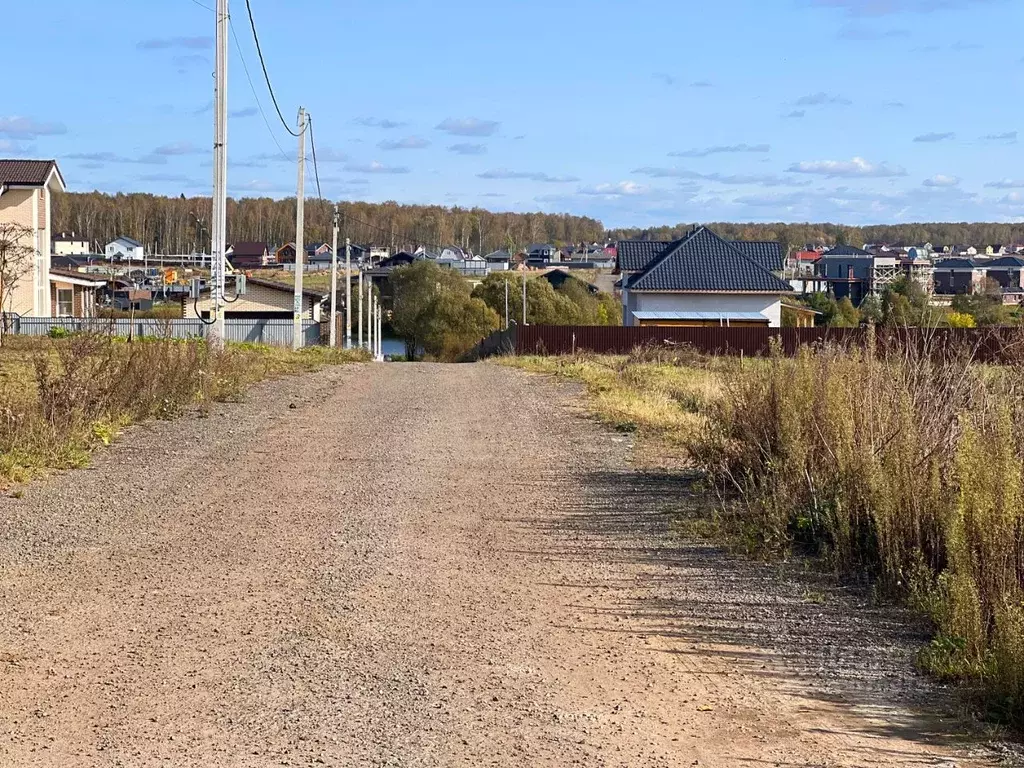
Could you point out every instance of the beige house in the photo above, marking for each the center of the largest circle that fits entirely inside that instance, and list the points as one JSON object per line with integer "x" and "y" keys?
{"x": 263, "y": 300}
{"x": 71, "y": 244}
{"x": 73, "y": 294}
{"x": 26, "y": 187}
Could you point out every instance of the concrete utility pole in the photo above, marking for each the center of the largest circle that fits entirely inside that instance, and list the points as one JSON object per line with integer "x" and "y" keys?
{"x": 348, "y": 293}
{"x": 506, "y": 304}
{"x": 300, "y": 247}
{"x": 524, "y": 298}
{"x": 369, "y": 318}
{"x": 380, "y": 331}
{"x": 334, "y": 281}
{"x": 220, "y": 174}
{"x": 360, "y": 291}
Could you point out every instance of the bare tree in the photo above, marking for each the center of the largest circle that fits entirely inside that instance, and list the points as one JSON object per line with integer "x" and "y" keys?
{"x": 16, "y": 258}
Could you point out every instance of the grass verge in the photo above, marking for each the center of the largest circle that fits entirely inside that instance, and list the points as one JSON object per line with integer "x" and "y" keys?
{"x": 904, "y": 471}
{"x": 61, "y": 398}
{"x": 659, "y": 396}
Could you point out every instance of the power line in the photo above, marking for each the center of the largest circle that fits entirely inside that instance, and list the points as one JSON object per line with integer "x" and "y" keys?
{"x": 203, "y": 5}
{"x": 259, "y": 51}
{"x": 238, "y": 47}
{"x": 316, "y": 171}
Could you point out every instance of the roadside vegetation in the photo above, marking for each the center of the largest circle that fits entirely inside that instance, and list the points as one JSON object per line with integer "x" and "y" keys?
{"x": 904, "y": 472}
{"x": 905, "y": 303}
{"x": 62, "y": 397}
{"x": 442, "y": 315}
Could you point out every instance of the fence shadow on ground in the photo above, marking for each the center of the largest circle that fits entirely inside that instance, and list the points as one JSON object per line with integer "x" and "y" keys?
{"x": 814, "y": 637}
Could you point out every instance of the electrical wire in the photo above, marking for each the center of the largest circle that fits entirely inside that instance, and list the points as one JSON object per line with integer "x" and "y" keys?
{"x": 316, "y": 171}
{"x": 259, "y": 105}
{"x": 203, "y": 5}
{"x": 263, "y": 63}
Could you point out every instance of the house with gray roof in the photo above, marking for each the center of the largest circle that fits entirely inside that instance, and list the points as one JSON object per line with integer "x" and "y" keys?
{"x": 700, "y": 280}
{"x": 124, "y": 249}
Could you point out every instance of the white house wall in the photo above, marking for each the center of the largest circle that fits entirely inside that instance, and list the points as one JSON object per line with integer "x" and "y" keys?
{"x": 769, "y": 305}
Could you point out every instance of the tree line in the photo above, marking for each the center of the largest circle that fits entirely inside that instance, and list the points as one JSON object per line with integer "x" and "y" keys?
{"x": 796, "y": 236}
{"x": 181, "y": 224}
{"x": 905, "y": 303}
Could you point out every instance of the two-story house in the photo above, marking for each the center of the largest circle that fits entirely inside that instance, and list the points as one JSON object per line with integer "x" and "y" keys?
{"x": 124, "y": 249}
{"x": 26, "y": 189}
{"x": 701, "y": 280}
{"x": 71, "y": 244}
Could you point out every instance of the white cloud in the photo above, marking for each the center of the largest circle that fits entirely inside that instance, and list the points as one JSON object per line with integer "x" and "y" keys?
{"x": 621, "y": 189}
{"x": 761, "y": 179}
{"x": 857, "y": 167}
{"x": 17, "y": 127}
{"x": 180, "y": 148}
{"x": 940, "y": 180}
{"x": 1010, "y": 137}
{"x": 15, "y": 148}
{"x": 469, "y": 126}
{"x": 887, "y": 7}
{"x": 378, "y": 122}
{"x": 1005, "y": 184}
{"x": 771, "y": 200}
{"x": 409, "y": 142}
{"x": 722, "y": 149}
{"x": 468, "y": 149}
{"x": 821, "y": 99}
{"x": 111, "y": 157}
{"x": 931, "y": 138}
{"x": 328, "y": 155}
{"x": 375, "y": 167}
{"x": 504, "y": 173}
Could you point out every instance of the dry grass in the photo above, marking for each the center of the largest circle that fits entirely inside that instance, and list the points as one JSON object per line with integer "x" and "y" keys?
{"x": 60, "y": 398}
{"x": 906, "y": 472}
{"x": 662, "y": 400}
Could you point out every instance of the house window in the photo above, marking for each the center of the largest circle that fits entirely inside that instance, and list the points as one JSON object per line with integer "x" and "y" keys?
{"x": 65, "y": 302}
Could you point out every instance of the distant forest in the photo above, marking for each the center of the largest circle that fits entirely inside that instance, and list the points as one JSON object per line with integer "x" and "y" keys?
{"x": 798, "y": 235}
{"x": 180, "y": 224}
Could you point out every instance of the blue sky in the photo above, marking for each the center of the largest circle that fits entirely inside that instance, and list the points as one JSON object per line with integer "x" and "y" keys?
{"x": 639, "y": 113}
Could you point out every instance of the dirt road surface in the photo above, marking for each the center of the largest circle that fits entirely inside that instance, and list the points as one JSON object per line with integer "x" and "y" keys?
{"x": 415, "y": 565}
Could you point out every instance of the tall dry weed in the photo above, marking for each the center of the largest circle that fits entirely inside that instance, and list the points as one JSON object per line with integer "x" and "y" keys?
{"x": 903, "y": 466}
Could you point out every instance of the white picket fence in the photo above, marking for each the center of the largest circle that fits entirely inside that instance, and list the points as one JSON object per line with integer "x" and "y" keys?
{"x": 276, "y": 332}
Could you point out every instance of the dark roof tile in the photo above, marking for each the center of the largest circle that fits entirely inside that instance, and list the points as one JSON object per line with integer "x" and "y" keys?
{"x": 767, "y": 253}
{"x": 702, "y": 261}
{"x": 1007, "y": 261}
{"x": 635, "y": 255}
{"x": 248, "y": 248}
{"x": 846, "y": 250}
{"x": 26, "y": 172}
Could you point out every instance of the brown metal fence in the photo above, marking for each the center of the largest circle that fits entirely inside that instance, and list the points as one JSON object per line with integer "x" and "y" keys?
{"x": 988, "y": 344}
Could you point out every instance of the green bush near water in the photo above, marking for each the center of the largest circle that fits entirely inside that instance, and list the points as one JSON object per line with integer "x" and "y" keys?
{"x": 906, "y": 469}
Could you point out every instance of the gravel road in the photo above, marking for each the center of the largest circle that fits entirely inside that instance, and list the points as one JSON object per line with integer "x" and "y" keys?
{"x": 417, "y": 565}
